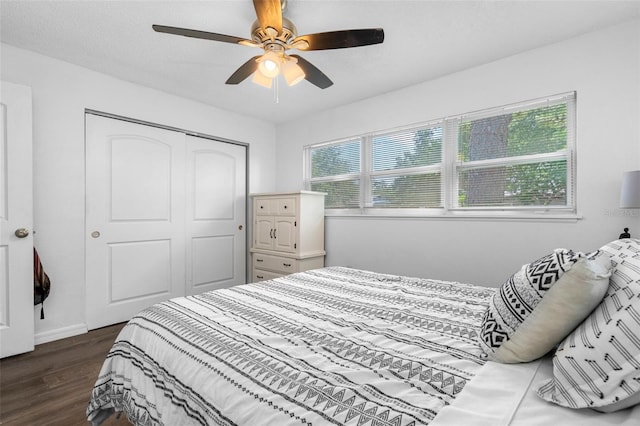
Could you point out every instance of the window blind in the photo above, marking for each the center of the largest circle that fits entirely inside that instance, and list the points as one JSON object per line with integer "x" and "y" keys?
{"x": 335, "y": 170}
{"x": 515, "y": 157}
{"x": 406, "y": 168}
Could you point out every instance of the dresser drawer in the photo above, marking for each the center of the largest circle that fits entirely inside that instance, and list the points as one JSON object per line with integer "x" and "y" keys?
{"x": 270, "y": 206}
{"x": 260, "y": 275}
{"x": 279, "y": 264}
{"x": 265, "y": 206}
{"x": 287, "y": 206}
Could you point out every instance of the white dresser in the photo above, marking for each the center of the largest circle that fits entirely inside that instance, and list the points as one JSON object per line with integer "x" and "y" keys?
{"x": 288, "y": 233}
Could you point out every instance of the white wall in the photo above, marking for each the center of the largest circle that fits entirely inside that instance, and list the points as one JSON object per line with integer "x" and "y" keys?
{"x": 61, "y": 93}
{"x": 603, "y": 67}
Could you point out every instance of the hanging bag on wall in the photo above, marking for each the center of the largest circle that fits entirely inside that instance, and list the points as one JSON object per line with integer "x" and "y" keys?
{"x": 41, "y": 283}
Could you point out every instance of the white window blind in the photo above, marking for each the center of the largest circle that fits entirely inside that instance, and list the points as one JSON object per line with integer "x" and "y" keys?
{"x": 514, "y": 158}
{"x": 406, "y": 168}
{"x": 517, "y": 157}
{"x": 335, "y": 169}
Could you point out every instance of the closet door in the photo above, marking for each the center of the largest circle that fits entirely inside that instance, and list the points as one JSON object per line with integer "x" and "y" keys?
{"x": 135, "y": 218}
{"x": 216, "y": 214}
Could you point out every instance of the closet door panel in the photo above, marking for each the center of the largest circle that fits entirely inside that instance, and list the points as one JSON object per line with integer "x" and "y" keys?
{"x": 139, "y": 269}
{"x": 214, "y": 184}
{"x": 135, "y": 223}
{"x": 216, "y": 214}
{"x": 140, "y": 179}
{"x": 209, "y": 269}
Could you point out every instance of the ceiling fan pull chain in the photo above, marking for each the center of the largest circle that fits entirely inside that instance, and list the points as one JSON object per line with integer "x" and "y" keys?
{"x": 276, "y": 97}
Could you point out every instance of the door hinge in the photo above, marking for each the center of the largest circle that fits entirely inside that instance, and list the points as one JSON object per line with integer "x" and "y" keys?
{"x": 295, "y": 245}
{"x": 295, "y": 223}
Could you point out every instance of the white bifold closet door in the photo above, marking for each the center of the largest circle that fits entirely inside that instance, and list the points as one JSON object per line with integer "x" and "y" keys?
{"x": 165, "y": 217}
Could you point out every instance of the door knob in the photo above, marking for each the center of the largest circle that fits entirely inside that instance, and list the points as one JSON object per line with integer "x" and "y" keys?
{"x": 21, "y": 232}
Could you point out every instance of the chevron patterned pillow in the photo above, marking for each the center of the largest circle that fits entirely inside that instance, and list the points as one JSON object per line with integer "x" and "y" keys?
{"x": 598, "y": 365}
{"x": 542, "y": 303}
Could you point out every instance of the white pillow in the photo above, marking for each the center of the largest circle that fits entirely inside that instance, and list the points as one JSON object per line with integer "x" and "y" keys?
{"x": 542, "y": 303}
{"x": 564, "y": 306}
{"x": 598, "y": 365}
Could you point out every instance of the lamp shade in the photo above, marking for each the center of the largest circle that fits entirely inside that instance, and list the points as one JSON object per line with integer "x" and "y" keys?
{"x": 630, "y": 190}
{"x": 292, "y": 71}
{"x": 269, "y": 64}
{"x": 260, "y": 79}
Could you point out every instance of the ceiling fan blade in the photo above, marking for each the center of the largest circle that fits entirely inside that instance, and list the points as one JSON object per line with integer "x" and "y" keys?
{"x": 244, "y": 71}
{"x": 203, "y": 35}
{"x": 342, "y": 39}
{"x": 269, "y": 13}
{"x": 312, "y": 74}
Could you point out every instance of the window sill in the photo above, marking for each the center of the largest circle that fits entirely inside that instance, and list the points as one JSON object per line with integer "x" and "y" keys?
{"x": 436, "y": 214}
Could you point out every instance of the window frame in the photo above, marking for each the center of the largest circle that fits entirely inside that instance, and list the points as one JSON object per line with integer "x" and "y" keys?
{"x": 450, "y": 166}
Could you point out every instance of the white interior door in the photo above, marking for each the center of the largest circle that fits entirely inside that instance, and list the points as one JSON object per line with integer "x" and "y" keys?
{"x": 16, "y": 212}
{"x": 135, "y": 223}
{"x": 216, "y": 214}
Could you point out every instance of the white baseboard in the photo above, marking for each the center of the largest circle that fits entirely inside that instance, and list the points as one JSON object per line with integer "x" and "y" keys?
{"x": 60, "y": 333}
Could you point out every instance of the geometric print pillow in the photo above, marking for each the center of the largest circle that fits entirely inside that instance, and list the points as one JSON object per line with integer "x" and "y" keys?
{"x": 598, "y": 365}
{"x": 518, "y": 298}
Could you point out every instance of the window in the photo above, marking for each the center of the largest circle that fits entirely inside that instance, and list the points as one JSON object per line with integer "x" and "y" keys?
{"x": 517, "y": 158}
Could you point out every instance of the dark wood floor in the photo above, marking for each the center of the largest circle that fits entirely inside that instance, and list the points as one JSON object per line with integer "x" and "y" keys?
{"x": 52, "y": 385}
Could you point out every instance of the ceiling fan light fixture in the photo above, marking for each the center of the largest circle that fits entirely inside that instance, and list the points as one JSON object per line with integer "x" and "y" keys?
{"x": 292, "y": 72}
{"x": 261, "y": 80}
{"x": 269, "y": 64}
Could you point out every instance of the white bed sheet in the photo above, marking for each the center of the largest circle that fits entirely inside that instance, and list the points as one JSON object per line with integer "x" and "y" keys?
{"x": 514, "y": 386}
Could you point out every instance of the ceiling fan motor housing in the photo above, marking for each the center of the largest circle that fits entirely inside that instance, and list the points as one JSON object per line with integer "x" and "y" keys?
{"x": 261, "y": 35}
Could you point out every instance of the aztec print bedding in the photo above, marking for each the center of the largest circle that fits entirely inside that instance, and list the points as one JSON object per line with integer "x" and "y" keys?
{"x": 328, "y": 346}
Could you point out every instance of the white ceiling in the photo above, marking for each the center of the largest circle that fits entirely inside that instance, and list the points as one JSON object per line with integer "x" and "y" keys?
{"x": 424, "y": 39}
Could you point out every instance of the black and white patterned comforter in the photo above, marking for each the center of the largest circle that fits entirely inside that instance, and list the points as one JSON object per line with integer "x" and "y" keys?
{"x": 328, "y": 346}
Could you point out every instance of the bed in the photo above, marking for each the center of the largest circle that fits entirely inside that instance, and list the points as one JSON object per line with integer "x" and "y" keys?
{"x": 338, "y": 346}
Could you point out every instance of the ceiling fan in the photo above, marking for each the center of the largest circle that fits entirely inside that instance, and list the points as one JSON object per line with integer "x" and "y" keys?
{"x": 277, "y": 35}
